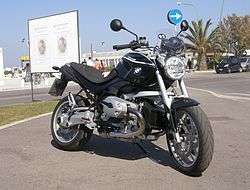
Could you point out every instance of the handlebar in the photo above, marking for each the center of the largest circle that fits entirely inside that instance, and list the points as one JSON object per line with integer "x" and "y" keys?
{"x": 123, "y": 46}
{"x": 132, "y": 45}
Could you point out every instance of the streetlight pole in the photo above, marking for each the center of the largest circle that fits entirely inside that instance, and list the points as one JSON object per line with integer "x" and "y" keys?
{"x": 179, "y": 3}
{"x": 221, "y": 10}
{"x": 91, "y": 52}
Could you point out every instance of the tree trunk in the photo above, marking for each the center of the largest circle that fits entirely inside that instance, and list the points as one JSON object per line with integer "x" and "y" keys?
{"x": 202, "y": 62}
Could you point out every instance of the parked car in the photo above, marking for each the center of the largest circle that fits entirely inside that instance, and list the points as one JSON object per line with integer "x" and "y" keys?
{"x": 245, "y": 63}
{"x": 233, "y": 64}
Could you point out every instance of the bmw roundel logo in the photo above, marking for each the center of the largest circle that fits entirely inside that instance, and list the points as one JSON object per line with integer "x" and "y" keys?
{"x": 137, "y": 70}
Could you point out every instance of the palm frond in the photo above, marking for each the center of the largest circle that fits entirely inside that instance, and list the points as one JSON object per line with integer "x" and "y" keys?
{"x": 190, "y": 38}
{"x": 200, "y": 30}
{"x": 208, "y": 24}
{"x": 193, "y": 33}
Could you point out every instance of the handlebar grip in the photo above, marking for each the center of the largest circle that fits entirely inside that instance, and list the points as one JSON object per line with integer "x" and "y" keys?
{"x": 124, "y": 46}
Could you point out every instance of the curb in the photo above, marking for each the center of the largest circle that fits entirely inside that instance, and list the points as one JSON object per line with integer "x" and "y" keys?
{"x": 24, "y": 120}
{"x": 208, "y": 71}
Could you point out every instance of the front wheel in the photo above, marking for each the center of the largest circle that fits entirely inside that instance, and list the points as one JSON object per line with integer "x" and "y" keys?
{"x": 194, "y": 152}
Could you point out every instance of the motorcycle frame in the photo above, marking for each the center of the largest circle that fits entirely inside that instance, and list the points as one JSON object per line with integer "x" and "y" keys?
{"x": 167, "y": 97}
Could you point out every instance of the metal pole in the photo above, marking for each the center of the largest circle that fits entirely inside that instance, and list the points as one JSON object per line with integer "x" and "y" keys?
{"x": 221, "y": 11}
{"x": 32, "y": 88}
{"x": 190, "y": 4}
{"x": 91, "y": 51}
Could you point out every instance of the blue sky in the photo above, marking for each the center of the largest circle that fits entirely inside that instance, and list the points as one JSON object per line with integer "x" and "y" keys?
{"x": 146, "y": 17}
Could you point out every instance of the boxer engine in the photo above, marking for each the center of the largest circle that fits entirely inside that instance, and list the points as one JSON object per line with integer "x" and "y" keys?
{"x": 117, "y": 118}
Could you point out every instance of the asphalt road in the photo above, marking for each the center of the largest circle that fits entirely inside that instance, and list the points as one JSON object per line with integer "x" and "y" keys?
{"x": 28, "y": 159}
{"x": 234, "y": 84}
{"x": 24, "y": 96}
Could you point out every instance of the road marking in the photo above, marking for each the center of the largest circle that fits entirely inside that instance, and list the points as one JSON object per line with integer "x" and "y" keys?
{"x": 241, "y": 94}
{"x": 221, "y": 95}
{"x": 23, "y": 121}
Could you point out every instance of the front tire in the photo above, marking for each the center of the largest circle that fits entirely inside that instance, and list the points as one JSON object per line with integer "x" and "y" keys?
{"x": 194, "y": 153}
{"x": 69, "y": 139}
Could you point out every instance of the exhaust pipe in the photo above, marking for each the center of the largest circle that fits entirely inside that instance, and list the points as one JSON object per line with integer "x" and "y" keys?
{"x": 141, "y": 123}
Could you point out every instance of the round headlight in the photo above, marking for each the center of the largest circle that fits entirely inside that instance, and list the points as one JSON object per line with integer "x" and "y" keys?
{"x": 174, "y": 68}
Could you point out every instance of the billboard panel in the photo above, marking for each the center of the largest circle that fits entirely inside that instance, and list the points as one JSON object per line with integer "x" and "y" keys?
{"x": 54, "y": 41}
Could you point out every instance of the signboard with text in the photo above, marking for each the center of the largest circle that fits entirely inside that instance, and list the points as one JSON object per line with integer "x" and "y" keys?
{"x": 53, "y": 41}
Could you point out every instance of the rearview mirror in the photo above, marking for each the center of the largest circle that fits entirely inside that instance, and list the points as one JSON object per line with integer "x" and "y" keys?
{"x": 116, "y": 25}
{"x": 184, "y": 25}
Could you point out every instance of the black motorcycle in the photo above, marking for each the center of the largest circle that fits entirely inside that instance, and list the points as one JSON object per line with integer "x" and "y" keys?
{"x": 137, "y": 100}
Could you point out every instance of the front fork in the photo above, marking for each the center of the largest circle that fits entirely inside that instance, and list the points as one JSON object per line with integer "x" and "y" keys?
{"x": 168, "y": 99}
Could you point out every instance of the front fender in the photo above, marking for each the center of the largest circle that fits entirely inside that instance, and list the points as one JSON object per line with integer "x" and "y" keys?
{"x": 183, "y": 102}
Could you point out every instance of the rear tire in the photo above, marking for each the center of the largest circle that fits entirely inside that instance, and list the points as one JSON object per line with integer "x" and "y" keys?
{"x": 205, "y": 143}
{"x": 217, "y": 71}
{"x": 82, "y": 134}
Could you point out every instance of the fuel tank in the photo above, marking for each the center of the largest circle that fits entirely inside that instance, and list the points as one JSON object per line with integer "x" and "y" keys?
{"x": 137, "y": 69}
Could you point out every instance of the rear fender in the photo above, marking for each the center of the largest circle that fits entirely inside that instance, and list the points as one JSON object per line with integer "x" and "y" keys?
{"x": 58, "y": 87}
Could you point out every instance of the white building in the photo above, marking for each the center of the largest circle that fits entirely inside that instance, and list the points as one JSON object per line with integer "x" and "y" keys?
{"x": 1, "y": 67}
{"x": 110, "y": 59}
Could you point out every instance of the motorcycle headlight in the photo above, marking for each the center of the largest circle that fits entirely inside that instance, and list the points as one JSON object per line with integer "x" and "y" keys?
{"x": 174, "y": 68}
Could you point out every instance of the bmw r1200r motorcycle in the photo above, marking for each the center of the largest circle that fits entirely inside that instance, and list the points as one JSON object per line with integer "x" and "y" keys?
{"x": 137, "y": 100}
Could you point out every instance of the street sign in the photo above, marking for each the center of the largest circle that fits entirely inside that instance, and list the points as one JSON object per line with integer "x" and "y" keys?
{"x": 175, "y": 16}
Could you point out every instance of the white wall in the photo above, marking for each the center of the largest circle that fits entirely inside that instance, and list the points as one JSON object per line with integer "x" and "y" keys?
{"x": 1, "y": 64}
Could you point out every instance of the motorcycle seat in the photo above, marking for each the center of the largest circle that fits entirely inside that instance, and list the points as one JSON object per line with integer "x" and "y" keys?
{"x": 92, "y": 74}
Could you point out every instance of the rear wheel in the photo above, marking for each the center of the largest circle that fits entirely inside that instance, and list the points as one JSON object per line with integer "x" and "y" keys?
{"x": 217, "y": 71}
{"x": 194, "y": 152}
{"x": 69, "y": 138}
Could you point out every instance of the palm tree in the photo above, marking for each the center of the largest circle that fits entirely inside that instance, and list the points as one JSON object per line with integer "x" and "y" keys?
{"x": 201, "y": 40}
